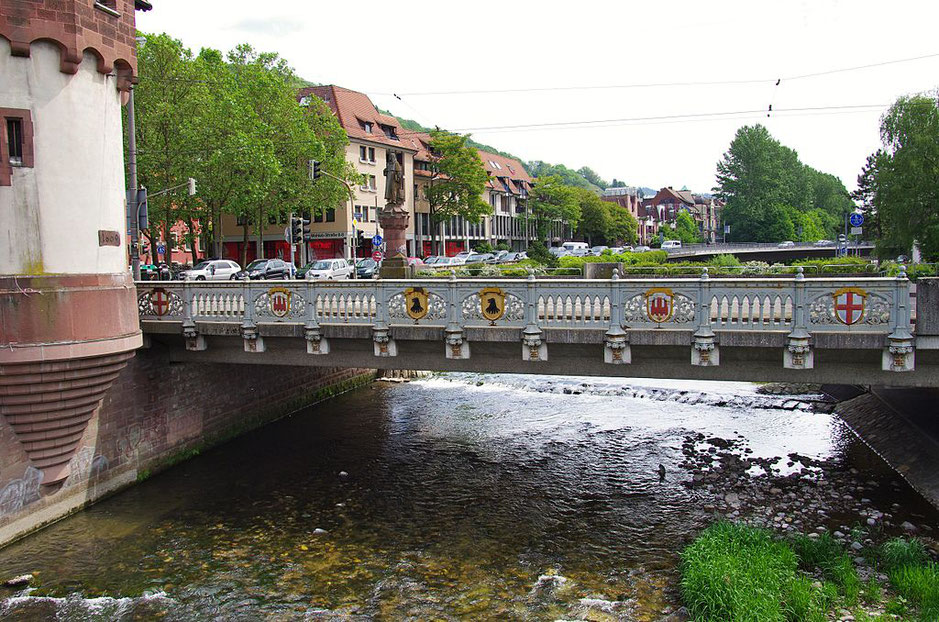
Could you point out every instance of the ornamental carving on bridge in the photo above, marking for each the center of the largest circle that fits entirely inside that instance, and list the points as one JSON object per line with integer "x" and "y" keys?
{"x": 281, "y": 303}
{"x": 659, "y": 305}
{"x": 493, "y": 304}
{"x": 417, "y": 303}
{"x": 850, "y": 306}
{"x": 159, "y": 302}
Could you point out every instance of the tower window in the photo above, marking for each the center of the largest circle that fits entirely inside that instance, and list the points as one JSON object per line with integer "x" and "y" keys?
{"x": 15, "y": 141}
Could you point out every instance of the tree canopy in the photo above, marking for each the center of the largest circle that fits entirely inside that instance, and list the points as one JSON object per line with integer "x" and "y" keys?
{"x": 457, "y": 182}
{"x": 602, "y": 221}
{"x": 899, "y": 184}
{"x": 233, "y": 123}
{"x": 772, "y": 196}
{"x": 568, "y": 176}
{"x": 552, "y": 200}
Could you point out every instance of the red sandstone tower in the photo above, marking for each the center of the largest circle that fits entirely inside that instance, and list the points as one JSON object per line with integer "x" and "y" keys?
{"x": 68, "y": 313}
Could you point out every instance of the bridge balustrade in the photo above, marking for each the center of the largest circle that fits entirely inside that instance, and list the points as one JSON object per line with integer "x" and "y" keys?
{"x": 797, "y": 307}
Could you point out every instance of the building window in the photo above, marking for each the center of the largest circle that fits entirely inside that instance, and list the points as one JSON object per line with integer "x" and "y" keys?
{"x": 372, "y": 183}
{"x": 15, "y": 141}
{"x": 331, "y": 215}
{"x": 108, "y": 6}
{"x": 371, "y": 154}
{"x": 367, "y": 126}
{"x": 363, "y": 154}
{"x": 390, "y": 132}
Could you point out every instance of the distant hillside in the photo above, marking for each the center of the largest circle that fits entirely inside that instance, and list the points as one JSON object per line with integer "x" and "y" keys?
{"x": 411, "y": 124}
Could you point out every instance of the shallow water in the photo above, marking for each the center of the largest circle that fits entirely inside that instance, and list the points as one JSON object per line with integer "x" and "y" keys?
{"x": 458, "y": 496}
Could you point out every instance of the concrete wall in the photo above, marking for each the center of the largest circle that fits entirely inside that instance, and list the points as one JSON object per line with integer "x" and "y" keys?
{"x": 155, "y": 414}
{"x": 76, "y": 185}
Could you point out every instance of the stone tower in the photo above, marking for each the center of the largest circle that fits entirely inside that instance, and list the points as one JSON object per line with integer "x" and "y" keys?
{"x": 68, "y": 313}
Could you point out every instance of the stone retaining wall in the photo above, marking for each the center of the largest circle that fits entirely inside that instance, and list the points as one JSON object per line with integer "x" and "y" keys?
{"x": 156, "y": 414}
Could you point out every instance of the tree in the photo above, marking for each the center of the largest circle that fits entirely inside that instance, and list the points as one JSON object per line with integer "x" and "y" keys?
{"x": 623, "y": 225}
{"x": 765, "y": 187}
{"x": 595, "y": 218}
{"x": 568, "y": 176}
{"x": 686, "y": 229}
{"x": 588, "y": 173}
{"x": 898, "y": 183}
{"x": 552, "y": 201}
{"x": 457, "y": 181}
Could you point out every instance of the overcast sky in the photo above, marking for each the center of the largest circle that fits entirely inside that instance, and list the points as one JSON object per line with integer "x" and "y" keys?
{"x": 418, "y": 48}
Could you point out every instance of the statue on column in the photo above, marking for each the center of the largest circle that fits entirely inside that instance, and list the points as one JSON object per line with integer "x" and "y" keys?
{"x": 394, "y": 218}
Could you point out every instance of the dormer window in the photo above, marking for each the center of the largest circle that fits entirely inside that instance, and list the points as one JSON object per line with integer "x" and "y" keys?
{"x": 305, "y": 100}
{"x": 389, "y": 132}
{"x": 367, "y": 126}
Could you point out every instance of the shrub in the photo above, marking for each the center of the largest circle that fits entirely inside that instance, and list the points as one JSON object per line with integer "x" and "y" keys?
{"x": 538, "y": 252}
{"x": 484, "y": 247}
{"x": 725, "y": 260}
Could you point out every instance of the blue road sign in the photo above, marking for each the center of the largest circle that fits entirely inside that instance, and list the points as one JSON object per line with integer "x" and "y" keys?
{"x": 377, "y": 240}
{"x": 161, "y": 248}
{"x": 856, "y": 219}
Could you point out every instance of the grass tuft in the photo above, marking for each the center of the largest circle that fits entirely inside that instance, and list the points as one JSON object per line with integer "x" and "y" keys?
{"x": 902, "y": 552}
{"x": 920, "y": 586}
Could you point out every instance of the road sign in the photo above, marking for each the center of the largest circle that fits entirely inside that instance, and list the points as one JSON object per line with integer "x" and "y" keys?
{"x": 855, "y": 230}
{"x": 377, "y": 240}
{"x": 856, "y": 219}
{"x": 377, "y": 255}
{"x": 161, "y": 248}
{"x": 355, "y": 222}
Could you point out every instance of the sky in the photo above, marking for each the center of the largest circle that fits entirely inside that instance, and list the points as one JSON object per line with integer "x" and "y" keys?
{"x": 663, "y": 86}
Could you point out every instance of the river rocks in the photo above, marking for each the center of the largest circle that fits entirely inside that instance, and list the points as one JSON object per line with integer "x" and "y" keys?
{"x": 319, "y": 532}
{"x": 19, "y": 581}
{"x": 547, "y": 588}
{"x": 908, "y": 527}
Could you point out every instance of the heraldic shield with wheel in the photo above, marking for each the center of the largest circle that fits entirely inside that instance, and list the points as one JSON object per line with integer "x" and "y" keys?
{"x": 850, "y": 303}
{"x": 415, "y": 302}
{"x": 660, "y": 304}
{"x": 492, "y": 303}
{"x": 278, "y": 300}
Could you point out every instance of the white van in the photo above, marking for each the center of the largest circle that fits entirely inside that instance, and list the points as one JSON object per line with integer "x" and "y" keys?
{"x": 570, "y": 247}
{"x": 667, "y": 244}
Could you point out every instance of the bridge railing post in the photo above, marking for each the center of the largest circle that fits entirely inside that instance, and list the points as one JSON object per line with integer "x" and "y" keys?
{"x": 457, "y": 347}
{"x": 534, "y": 347}
{"x": 316, "y": 343}
{"x": 194, "y": 341}
{"x": 253, "y": 341}
{"x": 704, "y": 350}
{"x": 381, "y": 333}
{"x": 798, "y": 353}
{"x": 616, "y": 350}
{"x": 899, "y": 354}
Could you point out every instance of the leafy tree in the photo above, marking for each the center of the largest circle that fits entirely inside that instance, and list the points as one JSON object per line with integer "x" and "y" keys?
{"x": 623, "y": 225}
{"x": 588, "y": 173}
{"x": 595, "y": 218}
{"x": 457, "y": 181}
{"x": 898, "y": 183}
{"x": 551, "y": 200}
{"x": 766, "y": 187}
{"x": 686, "y": 229}
{"x": 568, "y": 176}
{"x": 617, "y": 183}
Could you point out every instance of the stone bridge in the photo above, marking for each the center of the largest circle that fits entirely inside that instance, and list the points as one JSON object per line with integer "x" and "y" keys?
{"x": 834, "y": 330}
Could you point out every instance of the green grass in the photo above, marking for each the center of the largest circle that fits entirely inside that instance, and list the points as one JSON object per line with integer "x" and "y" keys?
{"x": 733, "y": 573}
{"x": 919, "y": 585}
{"x": 828, "y": 555}
{"x": 901, "y": 552}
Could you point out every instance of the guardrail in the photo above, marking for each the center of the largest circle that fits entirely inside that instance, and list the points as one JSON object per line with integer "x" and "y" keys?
{"x": 797, "y": 306}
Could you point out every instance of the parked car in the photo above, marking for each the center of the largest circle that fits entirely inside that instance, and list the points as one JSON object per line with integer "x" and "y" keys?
{"x": 597, "y": 250}
{"x": 328, "y": 270}
{"x": 510, "y": 256}
{"x": 456, "y": 260}
{"x": 415, "y": 262}
{"x": 267, "y": 269}
{"x": 824, "y": 243}
{"x": 641, "y": 249}
{"x": 479, "y": 258}
{"x": 366, "y": 268}
{"x": 463, "y": 255}
{"x": 499, "y": 256}
{"x": 215, "y": 270}
{"x": 671, "y": 244}
{"x": 786, "y": 244}
{"x": 571, "y": 247}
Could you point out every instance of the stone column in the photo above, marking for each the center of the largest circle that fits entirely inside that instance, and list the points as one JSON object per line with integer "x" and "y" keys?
{"x": 394, "y": 222}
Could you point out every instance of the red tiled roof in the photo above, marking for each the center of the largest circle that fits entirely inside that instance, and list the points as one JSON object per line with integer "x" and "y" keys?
{"x": 507, "y": 167}
{"x": 353, "y": 109}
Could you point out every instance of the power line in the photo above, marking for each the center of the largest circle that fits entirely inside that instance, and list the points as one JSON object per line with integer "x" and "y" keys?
{"x": 640, "y": 85}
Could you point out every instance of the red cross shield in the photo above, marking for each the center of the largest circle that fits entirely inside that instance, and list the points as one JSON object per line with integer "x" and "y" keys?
{"x": 160, "y": 301}
{"x": 849, "y": 305}
{"x": 660, "y": 304}
{"x": 279, "y": 301}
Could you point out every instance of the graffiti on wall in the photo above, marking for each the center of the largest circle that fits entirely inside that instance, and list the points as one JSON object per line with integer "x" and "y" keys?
{"x": 20, "y": 492}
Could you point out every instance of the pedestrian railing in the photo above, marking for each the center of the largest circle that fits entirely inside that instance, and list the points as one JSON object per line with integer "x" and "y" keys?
{"x": 797, "y": 306}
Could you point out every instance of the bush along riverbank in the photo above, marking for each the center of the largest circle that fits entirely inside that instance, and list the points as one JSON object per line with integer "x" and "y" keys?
{"x": 737, "y": 572}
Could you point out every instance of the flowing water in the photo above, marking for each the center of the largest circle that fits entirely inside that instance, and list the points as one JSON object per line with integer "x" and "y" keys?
{"x": 460, "y": 496}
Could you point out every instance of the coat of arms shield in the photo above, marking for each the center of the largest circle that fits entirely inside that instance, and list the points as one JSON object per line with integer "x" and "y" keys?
{"x": 492, "y": 303}
{"x": 278, "y": 301}
{"x": 415, "y": 300}
{"x": 660, "y": 304}
{"x": 849, "y": 305}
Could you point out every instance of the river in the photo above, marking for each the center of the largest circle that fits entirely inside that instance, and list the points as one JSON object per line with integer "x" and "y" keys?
{"x": 459, "y": 496}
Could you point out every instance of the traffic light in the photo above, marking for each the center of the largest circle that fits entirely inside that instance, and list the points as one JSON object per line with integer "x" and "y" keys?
{"x": 296, "y": 230}
{"x": 359, "y": 238}
{"x": 305, "y": 227}
{"x": 315, "y": 172}
{"x": 192, "y": 186}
